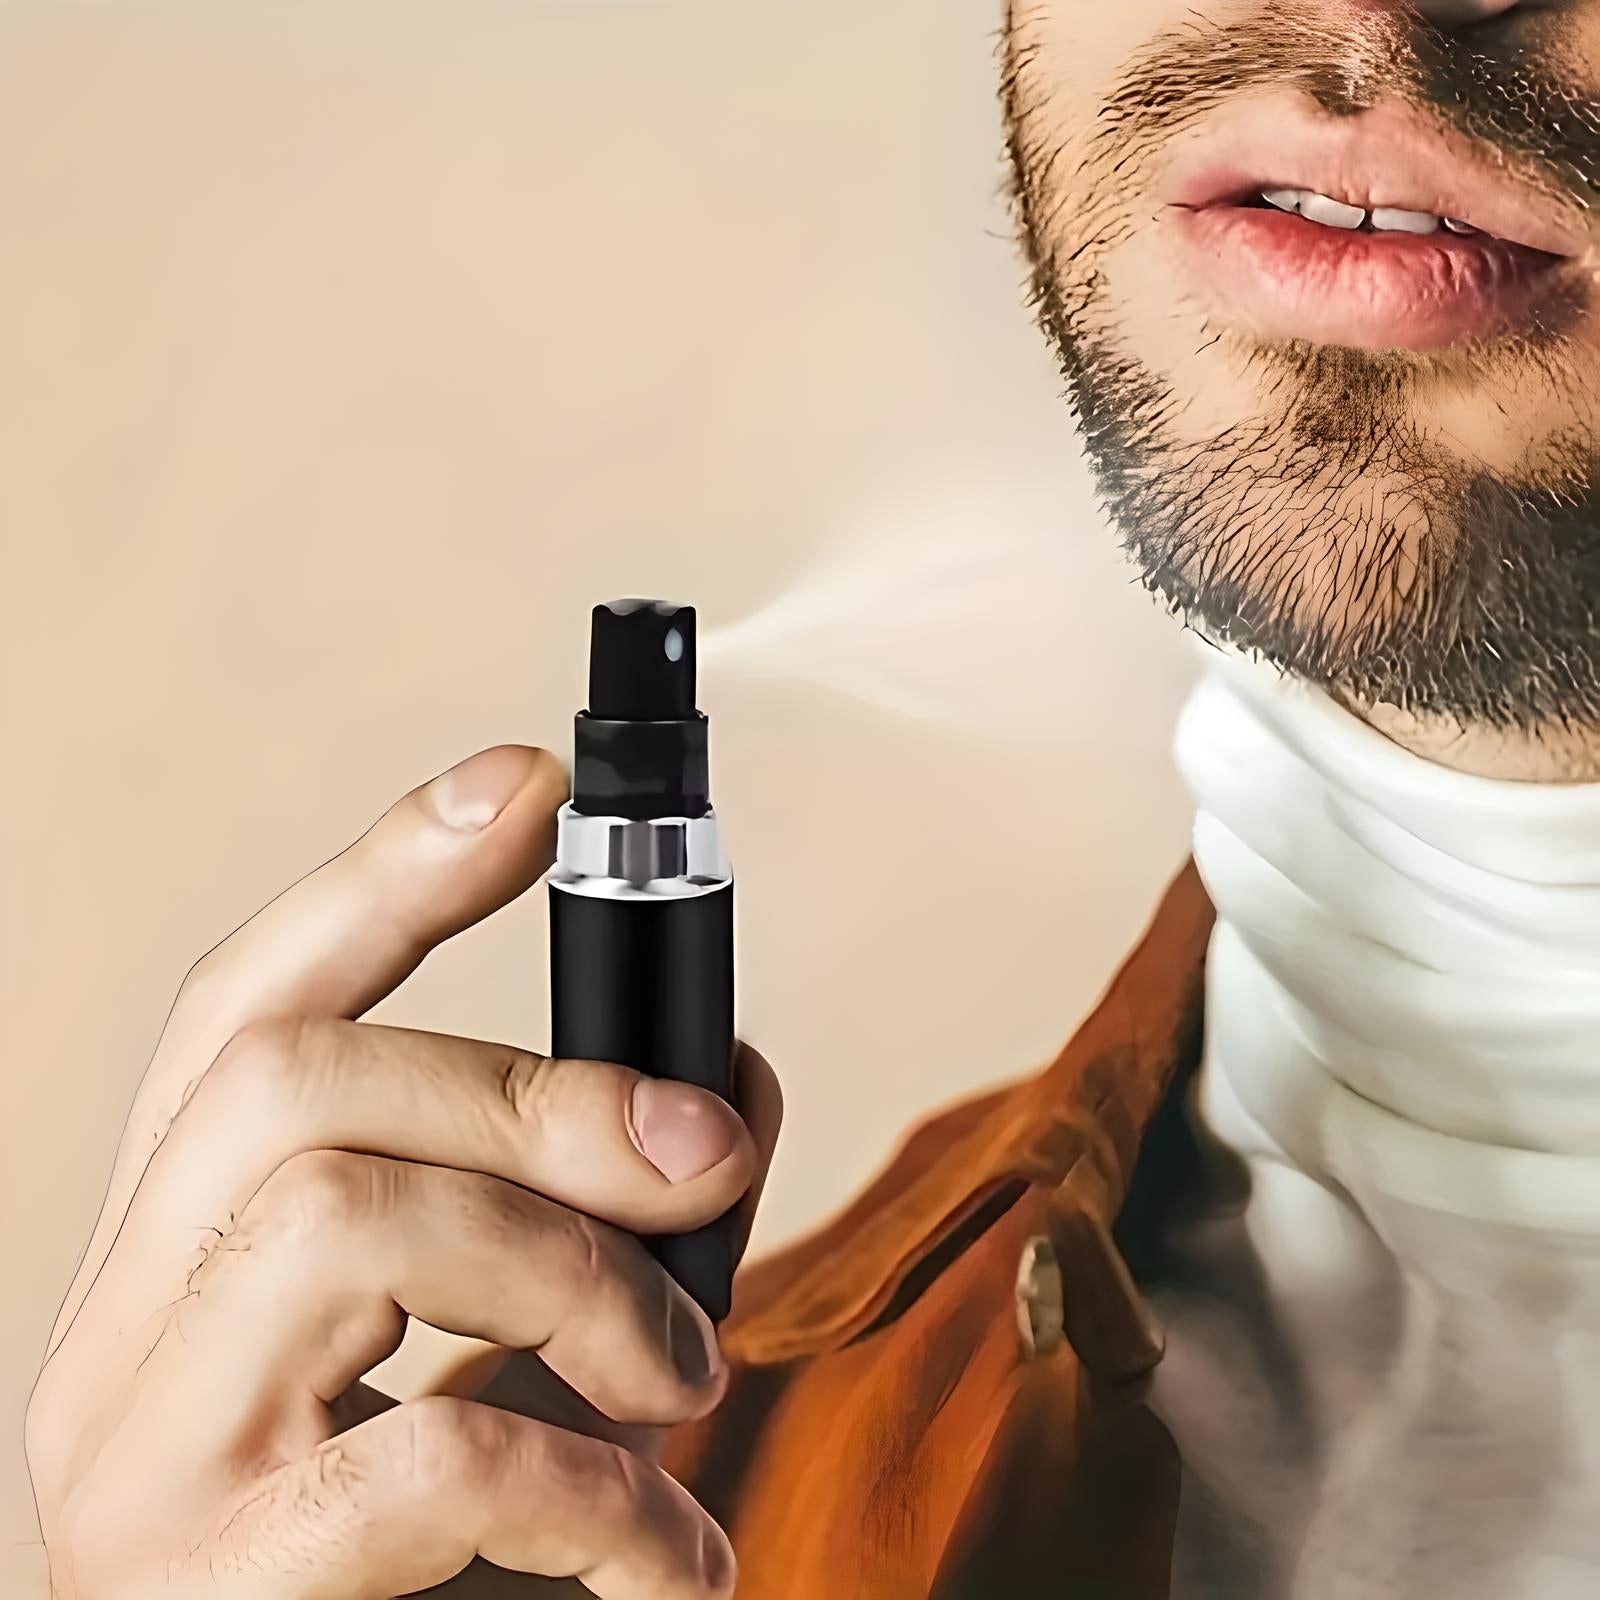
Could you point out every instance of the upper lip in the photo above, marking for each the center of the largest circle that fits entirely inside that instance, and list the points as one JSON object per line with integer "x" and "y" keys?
{"x": 1387, "y": 156}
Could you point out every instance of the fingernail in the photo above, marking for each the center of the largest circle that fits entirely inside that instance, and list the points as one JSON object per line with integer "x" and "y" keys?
{"x": 686, "y": 1341}
{"x": 680, "y": 1131}
{"x": 474, "y": 792}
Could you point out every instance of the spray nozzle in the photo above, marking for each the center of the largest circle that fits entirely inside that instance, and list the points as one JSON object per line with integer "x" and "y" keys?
{"x": 641, "y": 661}
{"x": 640, "y": 748}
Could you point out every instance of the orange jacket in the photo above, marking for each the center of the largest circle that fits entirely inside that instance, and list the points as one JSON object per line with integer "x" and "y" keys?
{"x": 940, "y": 1393}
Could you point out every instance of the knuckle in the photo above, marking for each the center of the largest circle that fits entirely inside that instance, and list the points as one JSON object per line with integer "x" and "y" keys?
{"x": 450, "y": 1443}
{"x": 256, "y": 1063}
{"x": 267, "y": 1067}
{"x": 622, "y": 1474}
{"x": 598, "y": 1474}
{"x": 686, "y": 1553}
{"x": 594, "y": 1250}
{"x": 597, "y": 1259}
{"x": 531, "y": 1086}
{"x": 314, "y": 1191}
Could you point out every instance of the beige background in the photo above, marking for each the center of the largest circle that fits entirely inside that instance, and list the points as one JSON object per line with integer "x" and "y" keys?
{"x": 349, "y": 352}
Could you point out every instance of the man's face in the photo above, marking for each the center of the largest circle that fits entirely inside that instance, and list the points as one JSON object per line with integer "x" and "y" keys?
{"x": 1333, "y": 426}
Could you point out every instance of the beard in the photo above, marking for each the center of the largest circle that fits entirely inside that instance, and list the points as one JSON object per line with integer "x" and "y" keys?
{"x": 1329, "y": 526}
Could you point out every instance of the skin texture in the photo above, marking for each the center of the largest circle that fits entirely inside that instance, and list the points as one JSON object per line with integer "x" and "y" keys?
{"x": 1416, "y": 530}
{"x": 293, "y": 1185}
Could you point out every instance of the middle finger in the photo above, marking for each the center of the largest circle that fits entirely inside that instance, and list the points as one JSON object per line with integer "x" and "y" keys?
{"x": 335, "y": 1250}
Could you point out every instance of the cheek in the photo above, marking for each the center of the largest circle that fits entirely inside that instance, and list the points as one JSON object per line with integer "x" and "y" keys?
{"x": 1084, "y": 43}
{"x": 1081, "y": 47}
{"x": 1070, "y": 53}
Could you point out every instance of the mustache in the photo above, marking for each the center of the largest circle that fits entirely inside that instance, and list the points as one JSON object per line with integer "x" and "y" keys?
{"x": 1515, "y": 97}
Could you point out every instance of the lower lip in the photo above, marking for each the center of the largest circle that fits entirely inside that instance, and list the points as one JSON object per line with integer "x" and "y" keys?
{"x": 1294, "y": 279}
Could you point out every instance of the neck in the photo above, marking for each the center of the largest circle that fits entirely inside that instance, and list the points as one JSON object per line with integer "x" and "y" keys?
{"x": 1405, "y": 978}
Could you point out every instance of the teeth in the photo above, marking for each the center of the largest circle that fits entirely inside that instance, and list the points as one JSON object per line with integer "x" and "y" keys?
{"x": 1332, "y": 213}
{"x": 1383, "y": 219}
{"x": 1388, "y": 220}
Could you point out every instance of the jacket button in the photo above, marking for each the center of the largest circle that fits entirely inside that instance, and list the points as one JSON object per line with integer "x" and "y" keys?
{"x": 1040, "y": 1298}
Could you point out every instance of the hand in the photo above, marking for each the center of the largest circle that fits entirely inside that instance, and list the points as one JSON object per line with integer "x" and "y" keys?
{"x": 293, "y": 1185}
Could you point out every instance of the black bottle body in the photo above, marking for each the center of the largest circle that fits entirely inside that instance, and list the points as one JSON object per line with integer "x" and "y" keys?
{"x": 647, "y": 981}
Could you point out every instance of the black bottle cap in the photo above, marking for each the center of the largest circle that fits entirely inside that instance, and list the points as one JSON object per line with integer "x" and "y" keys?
{"x": 640, "y": 748}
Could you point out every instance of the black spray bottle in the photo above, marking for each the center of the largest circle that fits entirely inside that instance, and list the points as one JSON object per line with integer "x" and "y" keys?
{"x": 641, "y": 897}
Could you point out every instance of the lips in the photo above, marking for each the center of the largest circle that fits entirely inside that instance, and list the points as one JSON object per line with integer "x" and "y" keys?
{"x": 1303, "y": 280}
{"x": 1410, "y": 284}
